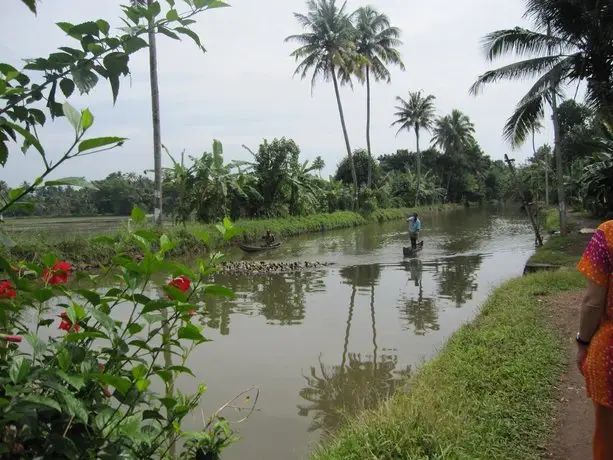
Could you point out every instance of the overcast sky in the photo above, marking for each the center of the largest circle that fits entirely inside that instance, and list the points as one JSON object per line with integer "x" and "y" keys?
{"x": 242, "y": 90}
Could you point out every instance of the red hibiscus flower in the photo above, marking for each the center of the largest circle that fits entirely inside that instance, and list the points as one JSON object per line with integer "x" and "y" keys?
{"x": 10, "y": 338}
{"x": 58, "y": 273}
{"x": 66, "y": 324}
{"x": 191, "y": 312}
{"x": 7, "y": 289}
{"x": 182, "y": 283}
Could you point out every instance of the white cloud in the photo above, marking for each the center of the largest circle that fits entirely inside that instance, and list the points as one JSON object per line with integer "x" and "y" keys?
{"x": 242, "y": 89}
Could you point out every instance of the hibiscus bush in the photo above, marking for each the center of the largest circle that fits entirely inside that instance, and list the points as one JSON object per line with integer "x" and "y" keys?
{"x": 88, "y": 372}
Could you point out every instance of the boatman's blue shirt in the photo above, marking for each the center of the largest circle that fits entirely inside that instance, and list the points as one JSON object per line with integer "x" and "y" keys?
{"x": 414, "y": 224}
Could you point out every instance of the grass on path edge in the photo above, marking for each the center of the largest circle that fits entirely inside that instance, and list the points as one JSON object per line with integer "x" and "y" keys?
{"x": 488, "y": 394}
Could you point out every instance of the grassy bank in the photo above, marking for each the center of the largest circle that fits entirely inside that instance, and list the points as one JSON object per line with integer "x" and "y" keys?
{"x": 488, "y": 394}
{"x": 85, "y": 250}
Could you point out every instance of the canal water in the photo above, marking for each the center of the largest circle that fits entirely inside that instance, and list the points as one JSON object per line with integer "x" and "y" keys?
{"x": 322, "y": 345}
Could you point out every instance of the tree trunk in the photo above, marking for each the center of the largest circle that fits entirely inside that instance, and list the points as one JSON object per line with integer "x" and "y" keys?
{"x": 559, "y": 166}
{"x": 155, "y": 113}
{"x": 546, "y": 178}
{"x": 369, "y": 182}
{"x": 418, "y": 166}
{"x": 347, "y": 146}
{"x": 157, "y": 193}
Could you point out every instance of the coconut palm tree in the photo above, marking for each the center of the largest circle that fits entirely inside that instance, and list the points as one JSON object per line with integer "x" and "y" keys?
{"x": 327, "y": 50}
{"x": 570, "y": 43}
{"x": 454, "y": 134}
{"x": 376, "y": 42}
{"x": 416, "y": 113}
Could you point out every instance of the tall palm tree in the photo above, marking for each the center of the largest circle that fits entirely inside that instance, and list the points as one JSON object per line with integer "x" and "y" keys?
{"x": 570, "y": 43}
{"x": 327, "y": 49}
{"x": 416, "y": 113}
{"x": 454, "y": 134}
{"x": 377, "y": 42}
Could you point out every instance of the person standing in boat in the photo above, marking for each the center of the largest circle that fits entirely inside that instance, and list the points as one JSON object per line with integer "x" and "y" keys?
{"x": 414, "y": 229}
{"x": 269, "y": 238}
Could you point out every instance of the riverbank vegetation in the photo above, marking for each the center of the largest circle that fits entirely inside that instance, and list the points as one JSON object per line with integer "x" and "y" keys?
{"x": 489, "y": 393}
{"x": 92, "y": 250}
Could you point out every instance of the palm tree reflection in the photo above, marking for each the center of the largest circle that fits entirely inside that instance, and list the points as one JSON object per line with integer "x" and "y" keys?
{"x": 457, "y": 278}
{"x": 337, "y": 392}
{"x": 419, "y": 313}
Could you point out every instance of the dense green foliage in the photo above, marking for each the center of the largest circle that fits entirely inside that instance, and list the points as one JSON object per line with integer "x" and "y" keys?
{"x": 488, "y": 394}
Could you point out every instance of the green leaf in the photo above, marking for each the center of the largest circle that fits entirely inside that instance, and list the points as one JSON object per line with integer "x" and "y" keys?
{"x": 75, "y": 381}
{"x": 191, "y": 332}
{"x": 166, "y": 244}
{"x": 19, "y": 370}
{"x": 175, "y": 293}
{"x": 168, "y": 33}
{"x": 202, "y": 236}
{"x": 64, "y": 359}
{"x": 139, "y": 372}
{"x": 181, "y": 370}
{"x": 49, "y": 260}
{"x": 156, "y": 305}
{"x": 135, "y": 328}
{"x": 116, "y": 63}
{"x": 36, "y": 343}
{"x": 30, "y": 4}
{"x": 85, "y": 28}
{"x": 98, "y": 142}
{"x": 155, "y": 9}
{"x": 104, "y": 240}
{"x": 168, "y": 403}
{"x": 172, "y": 15}
{"x": 67, "y": 86}
{"x": 152, "y": 415}
{"x": 43, "y": 401}
{"x": 190, "y": 33}
{"x": 92, "y": 296}
{"x": 87, "y": 119}
{"x": 147, "y": 235}
{"x": 121, "y": 384}
{"x": 103, "y": 26}
{"x": 75, "y": 407}
{"x": 65, "y": 26}
{"x": 105, "y": 320}
{"x": 209, "y": 4}
{"x": 71, "y": 181}
{"x": 84, "y": 79}
{"x": 142, "y": 385}
{"x": 43, "y": 294}
{"x": 217, "y": 290}
{"x": 27, "y": 135}
{"x": 165, "y": 375}
{"x": 133, "y": 44}
{"x": 137, "y": 215}
{"x": 73, "y": 116}
{"x": 76, "y": 336}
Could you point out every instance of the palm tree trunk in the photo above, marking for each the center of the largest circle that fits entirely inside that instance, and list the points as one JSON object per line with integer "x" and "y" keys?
{"x": 418, "y": 166}
{"x": 369, "y": 182}
{"x": 155, "y": 113}
{"x": 559, "y": 166}
{"x": 546, "y": 178}
{"x": 157, "y": 193}
{"x": 349, "y": 154}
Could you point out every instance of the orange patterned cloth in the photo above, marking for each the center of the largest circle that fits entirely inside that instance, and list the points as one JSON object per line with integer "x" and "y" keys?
{"x": 597, "y": 265}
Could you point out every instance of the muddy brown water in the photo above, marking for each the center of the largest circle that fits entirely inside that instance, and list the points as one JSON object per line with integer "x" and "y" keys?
{"x": 324, "y": 344}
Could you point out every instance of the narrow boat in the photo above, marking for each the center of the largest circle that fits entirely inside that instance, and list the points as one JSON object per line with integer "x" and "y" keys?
{"x": 248, "y": 248}
{"x": 410, "y": 252}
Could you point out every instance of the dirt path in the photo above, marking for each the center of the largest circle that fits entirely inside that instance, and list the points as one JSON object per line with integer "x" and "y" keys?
{"x": 574, "y": 418}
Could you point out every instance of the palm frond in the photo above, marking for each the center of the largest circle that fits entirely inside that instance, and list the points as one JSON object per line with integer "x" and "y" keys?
{"x": 528, "y": 68}
{"x": 523, "y": 42}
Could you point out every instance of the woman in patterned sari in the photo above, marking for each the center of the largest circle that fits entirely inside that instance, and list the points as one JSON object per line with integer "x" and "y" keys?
{"x": 595, "y": 337}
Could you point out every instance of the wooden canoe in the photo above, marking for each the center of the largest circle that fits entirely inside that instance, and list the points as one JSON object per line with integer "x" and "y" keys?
{"x": 410, "y": 252}
{"x": 248, "y": 248}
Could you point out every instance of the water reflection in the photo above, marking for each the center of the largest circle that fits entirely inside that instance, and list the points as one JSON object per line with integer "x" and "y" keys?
{"x": 338, "y": 392}
{"x": 457, "y": 277}
{"x": 279, "y": 297}
{"x": 418, "y": 313}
